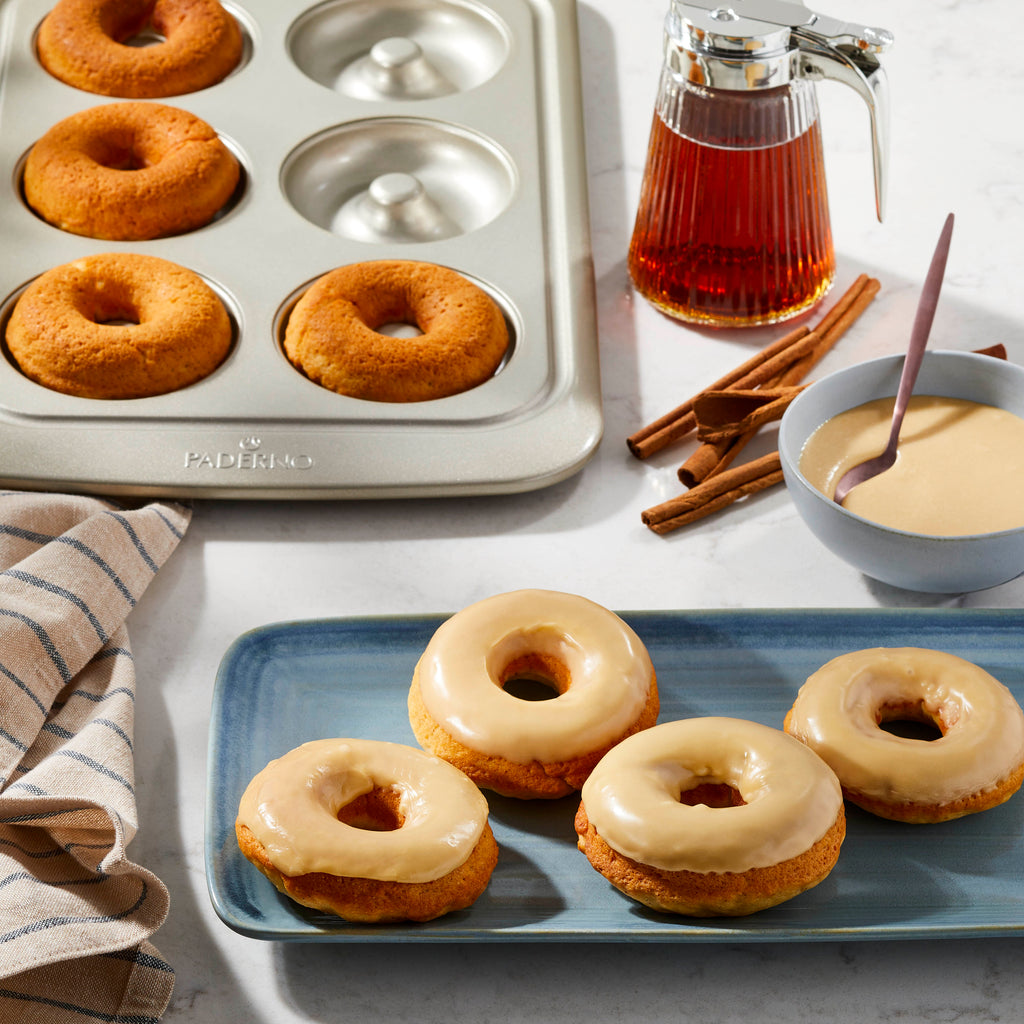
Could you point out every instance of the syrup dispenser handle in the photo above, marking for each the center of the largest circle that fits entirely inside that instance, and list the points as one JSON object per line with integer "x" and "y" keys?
{"x": 847, "y": 53}
{"x": 730, "y": 34}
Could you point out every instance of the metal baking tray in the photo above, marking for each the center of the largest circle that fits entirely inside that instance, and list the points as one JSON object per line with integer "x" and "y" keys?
{"x": 495, "y": 137}
{"x": 295, "y": 681}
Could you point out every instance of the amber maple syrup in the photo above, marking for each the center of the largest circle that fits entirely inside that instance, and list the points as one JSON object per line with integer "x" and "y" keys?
{"x": 733, "y": 234}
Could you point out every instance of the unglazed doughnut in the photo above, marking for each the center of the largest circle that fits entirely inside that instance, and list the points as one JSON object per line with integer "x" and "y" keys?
{"x": 129, "y": 172}
{"x": 118, "y": 325}
{"x": 711, "y": 816}
{"x": 333, "y": 337}
{"x": 976, "y": 763}
{"x": 603, "y": 675}
{"x": 368, "y": 830}
{"x": 82, "y": 42}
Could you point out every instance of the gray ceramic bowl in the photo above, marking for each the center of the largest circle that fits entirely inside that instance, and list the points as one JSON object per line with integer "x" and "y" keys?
{"x": 911, "y": 560}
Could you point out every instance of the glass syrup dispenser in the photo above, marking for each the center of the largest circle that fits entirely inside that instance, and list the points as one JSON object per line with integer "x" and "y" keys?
{"x": 733, "y": 227}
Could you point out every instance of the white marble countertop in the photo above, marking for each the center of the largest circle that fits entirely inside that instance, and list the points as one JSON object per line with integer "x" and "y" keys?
{"x": 958, "y": 144}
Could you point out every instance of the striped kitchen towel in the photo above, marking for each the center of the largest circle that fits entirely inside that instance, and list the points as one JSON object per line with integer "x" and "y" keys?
{"x": 76, "y": 914}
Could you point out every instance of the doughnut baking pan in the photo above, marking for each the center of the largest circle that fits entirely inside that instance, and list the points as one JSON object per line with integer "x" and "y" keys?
{"x": 290, "y": 682}
{"x": 446, "y": 131}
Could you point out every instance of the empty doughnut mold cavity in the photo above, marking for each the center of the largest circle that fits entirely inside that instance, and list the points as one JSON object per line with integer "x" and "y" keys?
{"x": 399, "y": 180}
{"x": 398, "y": 49}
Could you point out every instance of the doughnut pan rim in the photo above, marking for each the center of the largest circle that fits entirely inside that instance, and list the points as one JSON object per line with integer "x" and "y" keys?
{"x": 256, "y": 429}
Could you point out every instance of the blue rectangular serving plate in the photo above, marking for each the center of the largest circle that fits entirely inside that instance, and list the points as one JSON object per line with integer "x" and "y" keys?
{"x": 286, "y": 683}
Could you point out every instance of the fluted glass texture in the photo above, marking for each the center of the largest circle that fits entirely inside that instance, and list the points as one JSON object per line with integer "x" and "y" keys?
{"x": 732, "y": 226}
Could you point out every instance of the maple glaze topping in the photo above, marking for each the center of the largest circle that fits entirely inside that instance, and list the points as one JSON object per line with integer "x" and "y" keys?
{"x": 595, "y": 661}
{"x": 839, "y": 710}
{"x": 787, "y": 798}
{"x": 292, "y": 808}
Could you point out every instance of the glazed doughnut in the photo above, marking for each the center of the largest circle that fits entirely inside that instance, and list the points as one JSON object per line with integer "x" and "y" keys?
{"x": 460, "y": 710}
{"x": 118, "y": 325}
{"x": 368, "y": 830}
{"x": 711, "y": 816}
{"x": 129, "y": 172}
{"x": 976, "y": 763}
{"x": 332, "y": 333}
{"x": 82, "y": 43}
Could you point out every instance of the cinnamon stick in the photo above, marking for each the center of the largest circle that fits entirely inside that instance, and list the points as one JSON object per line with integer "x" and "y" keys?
{"x": 724, "y": 414}
{"x": 770, "y": 363}
{"x": 996, "y": 351}
{"x": 840, "y": 319}
{"x": 711, "y": 458}
{"x": 728, "y": 416}
{"x": 680, "y": 420}
{"x": 714, "y": 494}
{"x": 714, "y": 455}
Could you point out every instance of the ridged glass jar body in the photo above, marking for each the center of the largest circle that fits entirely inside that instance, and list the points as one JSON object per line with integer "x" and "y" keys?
{"x": 732, "y": 226}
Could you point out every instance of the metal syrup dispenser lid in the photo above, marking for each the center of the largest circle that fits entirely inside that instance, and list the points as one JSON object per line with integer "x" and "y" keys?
{"x": 763, "y": 44}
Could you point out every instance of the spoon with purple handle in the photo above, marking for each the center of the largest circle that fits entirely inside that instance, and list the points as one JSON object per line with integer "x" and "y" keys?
{"x": 911, "y": 364}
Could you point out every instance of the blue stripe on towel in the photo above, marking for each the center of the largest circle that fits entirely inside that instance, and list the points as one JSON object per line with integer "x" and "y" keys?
{"x": 66, "y": 734}
{"x": 60, "y": 922}
{"x": 72, "y": 542}
{"x": 92, "y": 556}
{"x": 83, "y": 1011}
{"x": 24, "y": 687}
{"x": 13, "y": 740}
{"x": 97, "y": 698}
{"x": 136, "y": 956}
{"x": 22, "y": 534}
{"x": 26, "y": 876}
{"x": 113, "y": 652}
{"x": 98, "y": 766}
{"x": 27, "y": 787}
{"x": 114, "y": 727}
{"x": 36, "y": 854}
{"x": 44, "y": 638}
{"x": 34, "y": 817}
{"x": 52, "y": 588}
{"x": 170, "y": 526}
{"x": 139, "y": 546}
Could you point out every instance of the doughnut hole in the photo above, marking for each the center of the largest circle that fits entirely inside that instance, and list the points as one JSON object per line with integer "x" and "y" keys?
{"x": 535, "y": 677}
{"x": 376, "y": 811}
{"x": 912, "y": 720}
{"x": 121, "y": 155}
{"x": 712, "y": 793}
{"x": 112, "y": 304}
